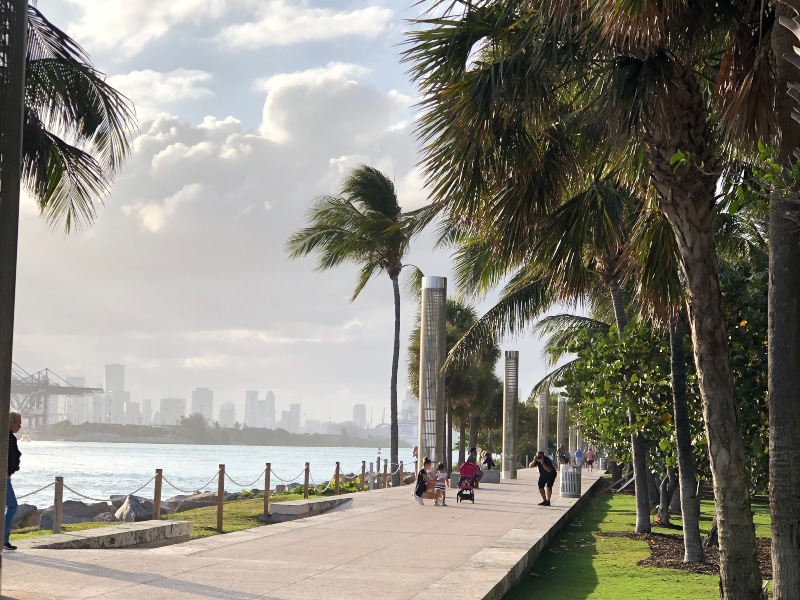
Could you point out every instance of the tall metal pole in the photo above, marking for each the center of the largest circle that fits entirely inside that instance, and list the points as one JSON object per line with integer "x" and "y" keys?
{"x": 561, "y": 424}
{"x": 432, "y": 354}
{"x": 544, "y": 419}
{"x": 13, "y": 44}
{"x": 510, "y": 410}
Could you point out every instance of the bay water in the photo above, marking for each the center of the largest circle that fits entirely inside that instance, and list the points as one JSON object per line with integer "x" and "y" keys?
{"x": 97, "y": 469}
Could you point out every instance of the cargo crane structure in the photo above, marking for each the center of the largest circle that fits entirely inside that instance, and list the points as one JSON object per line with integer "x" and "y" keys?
{"x": 31, "y": 394}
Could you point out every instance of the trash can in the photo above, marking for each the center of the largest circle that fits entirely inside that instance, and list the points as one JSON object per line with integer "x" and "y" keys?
{"x": 570, "y": 481}
{"x": 602, "y": 464}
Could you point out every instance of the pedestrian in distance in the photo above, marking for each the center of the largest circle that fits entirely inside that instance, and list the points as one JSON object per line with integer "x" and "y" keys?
{"x": 441, "y": 485}
{"x": 473, "y": 458}
{"x": 14, "y": 455}
{"x": 547, "y": 476}
{"x": 578, "y": 457}
{"x": 590, "y": 459}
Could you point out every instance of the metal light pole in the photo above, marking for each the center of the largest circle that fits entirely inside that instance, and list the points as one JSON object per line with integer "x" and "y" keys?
{"x": 432, "y": 354}
{"x": 510, "y": 411}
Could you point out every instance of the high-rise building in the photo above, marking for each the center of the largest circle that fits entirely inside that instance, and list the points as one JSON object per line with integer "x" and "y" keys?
{"x": 147, "y": 412}
{"x": 270, "y": 409}
{"x": 360, "y": 415}
{"x": 261, "y": 414}
{"x": 227, "y": 414}
{"x": 98, "y": 414}
{"x": 250, "y": 408}
{"x": 116, "y": 396}
{"x": 171, "y": 410}
{"x": 133, "y": 416}
{"x": 203, "y": 402}
{"x": 294, "y": 418}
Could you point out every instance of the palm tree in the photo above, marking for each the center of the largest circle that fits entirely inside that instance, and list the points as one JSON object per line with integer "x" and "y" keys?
{"x": 365, "y": 225}
{"x": 63, "y": 134}
{"x": 634, "y": 75}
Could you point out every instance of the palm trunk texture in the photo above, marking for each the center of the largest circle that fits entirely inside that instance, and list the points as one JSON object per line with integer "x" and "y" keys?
{"x": 784, "y": 338}
{"x": 14, "y": 25}
{"x": 393, "y": 430}
{"x": 687, "y": 200}
{"x": 690, "y": 503}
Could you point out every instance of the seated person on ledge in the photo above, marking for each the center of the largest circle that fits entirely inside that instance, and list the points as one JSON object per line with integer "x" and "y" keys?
{"x": 473, "y": 458}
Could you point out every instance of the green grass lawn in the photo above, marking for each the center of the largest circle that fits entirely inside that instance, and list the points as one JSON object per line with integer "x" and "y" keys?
{"x": 236, "y": 515}
{"x": 581, "y": 565}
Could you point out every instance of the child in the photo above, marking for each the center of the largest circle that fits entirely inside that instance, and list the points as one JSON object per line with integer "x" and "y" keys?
{"x": 422, "y": 481}
{"x": 441, "y": 484}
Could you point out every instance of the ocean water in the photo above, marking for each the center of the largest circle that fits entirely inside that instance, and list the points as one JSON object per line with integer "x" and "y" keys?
{"x": 97, "y": 469}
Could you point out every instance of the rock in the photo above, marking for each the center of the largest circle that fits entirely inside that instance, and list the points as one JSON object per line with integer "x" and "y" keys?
{"x": 132, "y": 510}
{"x": 198, "y": 500}
{"x": 23, "y": 512}
{"x": 280, "y": 488}
{"x": 107, "y": 517}
{"x": 292, "y": 486}
{"x": 410, "y": 479}
{"x": 73, "y": 512}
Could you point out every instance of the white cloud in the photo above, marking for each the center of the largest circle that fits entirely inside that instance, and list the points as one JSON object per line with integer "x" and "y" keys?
{"x": 154, "y": 215}
{"x": 279, "y": 23}
{"x": 214, "y": 361}
{"x": 153, "y": 92}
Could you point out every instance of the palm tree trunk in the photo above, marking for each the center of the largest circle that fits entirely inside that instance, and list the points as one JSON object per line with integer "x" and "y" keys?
{"x": 687, "y": 200}
{"x": 473, "y": 431}
{"x": 449, "y": 455}
{"x": 638, "y": 449}
{"x": 784, "y": 338}
{"x": 13, "y": 33}
{"x": 462, "y": 438}
{"x": 393, "y": 430}
{"x": 690, "y": 503}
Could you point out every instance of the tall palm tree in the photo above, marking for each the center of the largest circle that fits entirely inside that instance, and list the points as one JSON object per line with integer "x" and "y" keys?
{"x": 635, "y": 74}
{"x": 365, "y": 225}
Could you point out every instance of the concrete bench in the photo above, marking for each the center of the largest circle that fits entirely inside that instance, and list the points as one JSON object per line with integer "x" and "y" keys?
{"x": 143, "y": 534}
{"x": 299, "y": 509}
{"x": 492, "y": 476}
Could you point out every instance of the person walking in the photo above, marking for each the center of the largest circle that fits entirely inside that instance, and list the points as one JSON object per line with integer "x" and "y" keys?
{"x": 14, "y": 425}
{"x": 441, "y": 485}
{"x": 547, "y": 476}
{"x": 590, "y": 459}
{"x": 578, "y": 457}
{"x": 473, "y": 458}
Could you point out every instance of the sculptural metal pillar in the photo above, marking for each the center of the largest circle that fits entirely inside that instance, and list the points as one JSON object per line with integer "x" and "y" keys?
{"x": 432, "y": 354}
{"x": 544, "y": 419}
{"x": 561, "y": 424}
{"x": 510, "y": 410}
{"x": 573, "y": 441}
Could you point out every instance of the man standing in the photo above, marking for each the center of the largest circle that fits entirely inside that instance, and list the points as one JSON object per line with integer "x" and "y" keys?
{"x": 578, "y": 457}
{"x": 547, "y": 476}
{"x": 473, "y": 458}
{"x": 14, "y": 425}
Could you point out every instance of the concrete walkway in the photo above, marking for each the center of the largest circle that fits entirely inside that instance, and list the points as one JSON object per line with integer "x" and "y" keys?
{"x": 381, "y": 544}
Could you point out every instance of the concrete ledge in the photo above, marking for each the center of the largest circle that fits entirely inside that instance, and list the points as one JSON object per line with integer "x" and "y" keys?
{"x": 492, "y": 476}
{"x": 144, "y": 534}
{"x": 299, "y": 509}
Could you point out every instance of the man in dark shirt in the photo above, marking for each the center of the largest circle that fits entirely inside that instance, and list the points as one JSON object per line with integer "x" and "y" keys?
{"x": 473, "y": 458}
{"x": 14, "y": 425}
{"x": 547, "y": 476}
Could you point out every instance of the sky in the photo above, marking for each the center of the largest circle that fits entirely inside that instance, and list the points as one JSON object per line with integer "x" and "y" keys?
{"x": 247, "y": 110}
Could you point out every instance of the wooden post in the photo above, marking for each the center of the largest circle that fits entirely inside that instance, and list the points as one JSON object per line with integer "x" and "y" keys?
{"x": 402, "y": 474}
{"x": 58, "y": 505}
{"x": 267, "y": 475}
{"x": 336, "y": 484}
{"x": 220, "y": 497}
{"x": 305, "y": 481}
{"x": 385, "y": 472}
{"x": 157, "y": 495}
{"x": 363, "y": 474}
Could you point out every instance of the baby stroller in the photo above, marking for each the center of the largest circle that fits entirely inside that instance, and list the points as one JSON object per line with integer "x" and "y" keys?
{"x": 466, "y": 485}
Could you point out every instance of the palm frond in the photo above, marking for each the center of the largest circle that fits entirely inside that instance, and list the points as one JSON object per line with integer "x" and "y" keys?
{"x": 558, "y": 330}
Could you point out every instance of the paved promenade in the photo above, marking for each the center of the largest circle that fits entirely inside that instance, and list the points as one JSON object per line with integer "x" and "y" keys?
{"x": 383, "y": 545}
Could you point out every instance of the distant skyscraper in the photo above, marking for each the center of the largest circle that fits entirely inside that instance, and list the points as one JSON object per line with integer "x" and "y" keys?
{"x": 147, "y": 412}
{"x": 360, "y": 415}
{"x": 227, "y": 414}
{"x": 116, "y": 396}
{"x": 270, "y": 409}
{"x": 171, "y": 410}
{"x": 133, "y": 416}
{"x": 250, "y": 408}
{"x": 98, "y": 414}
{"x": 203, "y": 402}
{"x": 294, "y": 418}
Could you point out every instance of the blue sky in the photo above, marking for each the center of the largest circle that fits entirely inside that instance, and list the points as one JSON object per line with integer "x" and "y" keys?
{"x": 248, "y": 110}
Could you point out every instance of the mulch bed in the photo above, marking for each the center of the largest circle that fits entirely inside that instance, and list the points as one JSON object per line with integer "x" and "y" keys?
{"x": 666, "y": 551}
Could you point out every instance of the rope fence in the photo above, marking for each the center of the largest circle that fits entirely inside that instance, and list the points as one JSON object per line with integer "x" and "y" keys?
{"x": 368, "y": 477}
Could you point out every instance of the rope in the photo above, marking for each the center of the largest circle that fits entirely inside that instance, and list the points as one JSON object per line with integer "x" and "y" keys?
{"x": 37, "y": 491}
{"x": 289, "y": 480}
{"x": 245, "y": 485}
{"x": 141, "y": 488}
{"x": 172, "y": 485}
{"x": 66, "y": 487}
